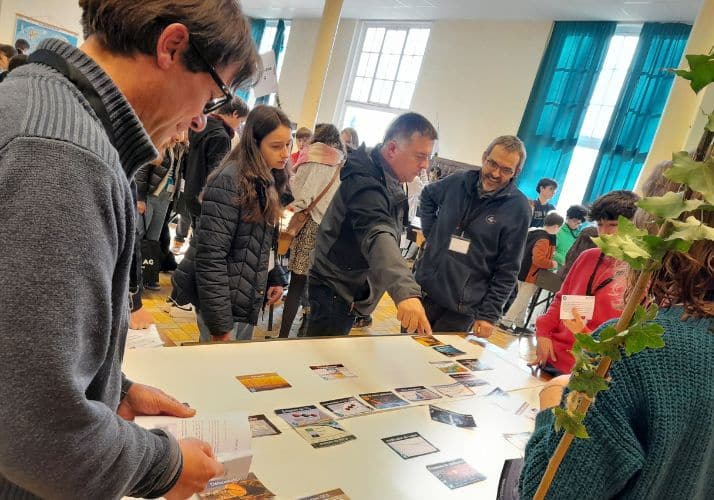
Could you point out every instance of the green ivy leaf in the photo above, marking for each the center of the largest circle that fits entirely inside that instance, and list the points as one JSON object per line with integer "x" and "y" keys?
{"x": 671, "y": 205}
{"x": 697, "y": 175}
{"x": 691, "y": 230}
{"x": 638, "y": 316}
{"x": 585, "y": 341}
{"x": 570, "y": 423}
{"x": 587, "y": 382}
{"x": 641, "y": 337}
{"x": 624, "y": 247}
{"x": 701, "y": 71}
{"x": 652, "y": 312}
{"x": 607, "y": 333}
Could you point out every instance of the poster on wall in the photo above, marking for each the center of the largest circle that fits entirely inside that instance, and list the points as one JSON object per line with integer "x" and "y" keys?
{"x": 35, "y": 31}
{"x": 268, "y": 82}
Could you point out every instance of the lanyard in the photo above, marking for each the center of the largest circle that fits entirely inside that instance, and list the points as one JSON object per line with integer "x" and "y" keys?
{"x": 589, "y": 291}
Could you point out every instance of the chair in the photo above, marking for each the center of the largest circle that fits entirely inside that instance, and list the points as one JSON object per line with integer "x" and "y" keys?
{"x": 551, "y": 283}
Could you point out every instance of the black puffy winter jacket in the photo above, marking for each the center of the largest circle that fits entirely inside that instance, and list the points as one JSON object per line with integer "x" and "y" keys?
{"x": 225, "y": 271}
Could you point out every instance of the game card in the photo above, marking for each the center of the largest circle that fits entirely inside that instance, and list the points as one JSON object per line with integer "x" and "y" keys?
{"x": 324, "y": 434}
{"x": 455, "y": 473}
{"x": 261, "y": 426}
{"x": 519, "y": 439}
{"x": 383, "y": 400}
{"x": 451, "y": 417}
{"x": 417, "y": 393}
{"x": 302, "y": 415}
{"x": 585, "y": 304}
{"x": 448, "y": 367}
{"x": 475, "y": 365}
{"x": 249, "y": 488}
{"x": 410, "y": 445}
{"x": 336, "y": 494}
{"x": 468, "y": 380}
{"x": 455, "y": 390}
{"x": 346, "y": 407}
{"x": 258, "y": 382}
{"x": 508, "y": 482}
{"x": 511, "y": 404}
{"x": 332, "y": 372}
{"x": 427, "y": 340}
{"x": 448, "y": 350}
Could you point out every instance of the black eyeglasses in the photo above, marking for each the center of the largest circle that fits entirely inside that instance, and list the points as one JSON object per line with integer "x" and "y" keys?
{"x": 213, "y": 104}
{"x": 493, "y": 165}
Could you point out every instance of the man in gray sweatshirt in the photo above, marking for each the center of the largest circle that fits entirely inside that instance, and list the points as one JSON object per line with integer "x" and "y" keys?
{"x": 75, "y": 125}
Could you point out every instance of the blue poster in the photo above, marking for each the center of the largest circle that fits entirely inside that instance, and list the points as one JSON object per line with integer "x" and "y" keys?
{"x": 35, "y": 31}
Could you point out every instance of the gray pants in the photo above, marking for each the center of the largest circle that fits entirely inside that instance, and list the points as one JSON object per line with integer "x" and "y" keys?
{"x": 154, "y": 217}
{"x": 240, "y": 331}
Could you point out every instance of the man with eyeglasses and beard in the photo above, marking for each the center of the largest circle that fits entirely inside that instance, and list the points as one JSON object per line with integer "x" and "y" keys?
{"x": 475, "y": 224}
{"x": 75, "y": 126}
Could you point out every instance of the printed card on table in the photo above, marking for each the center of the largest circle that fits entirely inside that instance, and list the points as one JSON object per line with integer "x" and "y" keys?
{"x": 249, "y": 488}
{"x": 410, "y": 445}
{"x": 511, "y": 404}
{"x": 383, "y": 400}
{"x": 302, "y": 415}
{"x": 475, "y": 365}
{"x": 261, "y": 426}
{"x": 346, "y": 407}
{"x": 455, "y": 473}
{"x": 508, "y": 482}
{"x": 451, "y": 417}
{"x": 468, "y": 380}
{"x": 455, "y": 390}
{"x": 519, "y": 439}
{"x": 585, "y": 304}
{"x": 332, "y": 372}
{"x": 324, "y": 434}
{"x": 448, "y": 350}
{"x": 336, "y": 494}
{"x": 427, "y": 340}
{"x": 417, "y": 393}
{"x": 258, "y": 382}
{"x": 448, "y": 367}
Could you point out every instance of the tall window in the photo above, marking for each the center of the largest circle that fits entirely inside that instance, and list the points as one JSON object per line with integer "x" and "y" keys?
{"x": 599, "y": 112}
{"x": 383, "y": 77}
{"x": 266, "y": 44}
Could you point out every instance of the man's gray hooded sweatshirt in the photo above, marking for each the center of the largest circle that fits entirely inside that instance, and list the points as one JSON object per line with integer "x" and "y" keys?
{"x": 66, "y": 243}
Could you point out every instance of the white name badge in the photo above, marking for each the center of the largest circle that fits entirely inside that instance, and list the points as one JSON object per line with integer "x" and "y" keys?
{"x": 459, "y": 245}
{"x": 183, "y": 185}
{"x": 583, "y": 303}
{"x": 403, "y": 242}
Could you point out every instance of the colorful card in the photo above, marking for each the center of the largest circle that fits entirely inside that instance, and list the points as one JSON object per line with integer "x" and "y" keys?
{"x": 427, "y": 340}
{"x": 519, "y": 439}
{"x": 332, "y": 372}
{"x": 383, "y": 400}
{"x": 258, "y": 382}
{"x": 302, "y": 415}
{"x": 410, "y": 445}
{"x": 261, "y": 426}
{"x": 508, "y": 483}
{"x": 249, "y": 488}
{"x": 468, "y": 380}
{"x": 346, "y": 407}
{"x": 337, "y": 494}
{"x": 448, "y": 367}
{"x": 451, "y": 417}
{"x": 455, "y": 390}
{"x": 475, "y": 365}
{"x": 448, "y": 350}
{"x": 417, "y": 393}
{"x": 455, "y": 473}
{"x": 324, "y": 434}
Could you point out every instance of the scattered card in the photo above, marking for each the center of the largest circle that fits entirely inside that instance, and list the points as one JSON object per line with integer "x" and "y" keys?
{"x": 302, "y": 415}
{"x": 249, "y": 488}
{"x": 261, "y": 426}
{"x": 410, "y": 445}
{"x": 448, "y": 367}
{"x": 455, "y": 473}
{"x": 346, "y": 407}
{"x": 511, "y": 404}
{"x": 324, "y": 434}
{"x": 475, "y": 365}
{"x": 585, "y": 304}
{"x": 468, "y": 380}
{"x": 258, "y": 382}
{"x": 427, "y": 340}
{"x": 508, "y": 483}
{"x": 519, "y": 439}
{"x": 417, "y": 393}
{"x": 455, "y": 390}
{"x": 448, "y": 350}
{"x": 383, "y": 400}
{"x": 332, "y": 372}
{"x": 451, "y": 417}
{"x": 337, "y": 494}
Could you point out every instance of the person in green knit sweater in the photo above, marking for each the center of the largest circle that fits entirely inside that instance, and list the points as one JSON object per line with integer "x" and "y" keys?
{"x": 574, "y": 218}
{"x": 652, "y": 432}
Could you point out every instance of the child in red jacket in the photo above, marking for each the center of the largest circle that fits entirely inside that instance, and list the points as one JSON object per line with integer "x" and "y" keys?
{"x": 592, "y": 274}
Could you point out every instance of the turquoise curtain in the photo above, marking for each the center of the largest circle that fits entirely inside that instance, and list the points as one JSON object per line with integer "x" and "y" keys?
{"x": 278, "y": 43}
{"x": 638, "y": 110}
{"x": 257, "y": 27}
{"x": 559, "y": 98}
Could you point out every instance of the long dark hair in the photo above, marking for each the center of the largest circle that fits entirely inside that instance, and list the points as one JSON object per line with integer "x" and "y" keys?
{"x": 259, "y": 186}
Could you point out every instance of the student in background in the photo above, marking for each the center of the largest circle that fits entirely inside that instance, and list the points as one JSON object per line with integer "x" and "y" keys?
{"x": 575, "y": 216}
{"x": 546, "y": 189}
{"x": 350, "y": 139}
{"x": 537, "y": 255}
{"x": 22, "y": 47}
{"x": 225, "y": 271}
{"x": 7, "y": 52}
{"x": 593, "y": 274}
{"x": 302, "y": 139}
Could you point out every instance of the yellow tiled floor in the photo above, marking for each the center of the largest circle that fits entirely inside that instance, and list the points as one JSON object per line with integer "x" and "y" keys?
{"x": 178, "y": 330}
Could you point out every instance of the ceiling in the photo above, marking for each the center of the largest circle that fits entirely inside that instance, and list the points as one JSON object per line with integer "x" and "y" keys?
{"x": 521, "y": 10}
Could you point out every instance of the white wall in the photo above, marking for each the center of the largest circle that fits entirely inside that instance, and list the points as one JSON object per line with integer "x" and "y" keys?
{"x": 59, "y": 13}
{"x": 475, "y": 79}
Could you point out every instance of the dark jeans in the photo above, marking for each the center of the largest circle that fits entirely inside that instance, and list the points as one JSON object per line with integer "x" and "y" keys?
{"x": 442, "y": 319}
{"x": 295, "y": 289}
{"x": 329, "y": 314}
